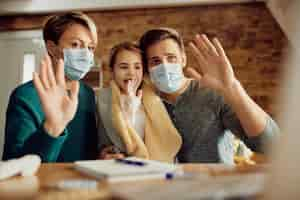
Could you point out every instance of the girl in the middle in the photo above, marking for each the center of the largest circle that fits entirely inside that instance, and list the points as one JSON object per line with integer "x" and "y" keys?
{"x": 132, "y": 119}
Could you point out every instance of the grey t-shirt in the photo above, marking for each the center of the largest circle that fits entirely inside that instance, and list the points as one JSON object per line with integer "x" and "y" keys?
{"x": 206, "y": 124}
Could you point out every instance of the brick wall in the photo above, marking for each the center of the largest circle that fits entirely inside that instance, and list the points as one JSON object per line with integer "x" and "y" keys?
{"x": 250, "y": 35}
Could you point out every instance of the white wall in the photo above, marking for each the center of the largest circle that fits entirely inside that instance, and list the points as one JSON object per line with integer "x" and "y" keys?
{"x": 13, "y": 46}
{"x": 286, "y": 14}
{"x": 285, "y": 177}
{"x": 8, "y": 7}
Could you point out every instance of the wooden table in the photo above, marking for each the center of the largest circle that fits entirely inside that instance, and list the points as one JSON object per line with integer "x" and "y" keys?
{"x": 41, "y": 185}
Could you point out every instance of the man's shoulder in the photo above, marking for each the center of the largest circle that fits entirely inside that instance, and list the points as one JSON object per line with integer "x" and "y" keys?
{"x": 205, "y": 94}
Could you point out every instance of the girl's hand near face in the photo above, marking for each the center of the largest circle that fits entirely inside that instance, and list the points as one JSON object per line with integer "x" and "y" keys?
{"x": 133, "y": 92}
{"x": 131, "y": 102}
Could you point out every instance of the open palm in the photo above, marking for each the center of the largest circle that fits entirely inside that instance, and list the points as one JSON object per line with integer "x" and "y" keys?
{"x": 214, "y": 69}
{"x": 58, "y": 104}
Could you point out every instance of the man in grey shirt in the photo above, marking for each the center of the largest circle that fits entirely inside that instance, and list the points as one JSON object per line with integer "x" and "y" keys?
{"x": 209, "y": 108}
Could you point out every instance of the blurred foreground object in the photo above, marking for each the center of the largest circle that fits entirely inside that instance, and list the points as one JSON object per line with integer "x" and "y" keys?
{"x": 19, "y": 188}
{"x": 285, "y": 177}
{"x": 25, "y": 166}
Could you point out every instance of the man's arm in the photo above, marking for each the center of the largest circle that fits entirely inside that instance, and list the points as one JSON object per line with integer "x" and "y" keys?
{"x": 215, "y": 71}
{"x": 256, "y": 143}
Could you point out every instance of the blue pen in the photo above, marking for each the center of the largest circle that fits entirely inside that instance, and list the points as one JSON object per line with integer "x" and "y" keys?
{"x": 182, "y": 175}
{"x": 130, "y": 162}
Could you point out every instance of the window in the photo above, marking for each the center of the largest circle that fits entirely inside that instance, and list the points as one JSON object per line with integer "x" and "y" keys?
{"x": 28, "y": 67}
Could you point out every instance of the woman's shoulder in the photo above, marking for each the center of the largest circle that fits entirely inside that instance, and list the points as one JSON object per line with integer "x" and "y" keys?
{"x": 26, "y": 92}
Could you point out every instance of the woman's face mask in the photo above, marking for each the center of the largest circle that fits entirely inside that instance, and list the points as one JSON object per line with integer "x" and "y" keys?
{"x": 78, "y": 62}
{"x": 167, "y": 77}
{"x": 75, "y": 46}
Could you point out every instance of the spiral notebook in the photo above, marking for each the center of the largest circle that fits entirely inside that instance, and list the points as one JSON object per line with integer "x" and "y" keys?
{"x": 116, "y": 171}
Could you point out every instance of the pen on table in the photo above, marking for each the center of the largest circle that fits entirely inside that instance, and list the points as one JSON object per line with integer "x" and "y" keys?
{"x": 130, "y": 162}
{"x": 184, "y": 175}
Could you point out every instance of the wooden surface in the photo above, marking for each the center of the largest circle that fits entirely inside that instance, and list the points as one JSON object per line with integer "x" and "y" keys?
{"x": 41, "y": 186}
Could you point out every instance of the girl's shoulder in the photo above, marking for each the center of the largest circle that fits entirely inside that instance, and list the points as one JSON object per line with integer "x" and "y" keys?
{"x": 104, "y": 94}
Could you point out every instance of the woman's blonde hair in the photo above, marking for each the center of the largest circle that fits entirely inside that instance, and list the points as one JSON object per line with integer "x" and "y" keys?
{"x": 56, "y": 25}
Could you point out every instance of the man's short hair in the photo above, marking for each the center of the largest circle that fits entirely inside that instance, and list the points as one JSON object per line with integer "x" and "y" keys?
{"x": 156, "y": 35}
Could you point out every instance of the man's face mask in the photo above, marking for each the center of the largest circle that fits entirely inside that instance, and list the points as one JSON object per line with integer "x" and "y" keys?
{"x": 167, "y": 77}
{"x": 78, "y": 62}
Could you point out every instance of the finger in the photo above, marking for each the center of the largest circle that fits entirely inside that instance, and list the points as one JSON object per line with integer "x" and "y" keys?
{"x": 43, "y": 74}
{"x": 115, "y": 156}
{"x": 119, "y": 155}
{"x": 198, "y": 56}
{"x": 107, "y": 149}
{"x": 130, "y": 85}
{"x": 130, "y": 88}
{"x": 136, "y": 82}
{"x": 197, "y": 53}
{"x": 219, "y": 47}
{"x": 209, "y": 45}
{"x": 38, "y": 84}
{"x": 221, "y": 52}
{"x": 104, "y": 153}
{"x": 200, "y": 44}
{"x": 127, "y": 87}
{"x": 140, "y": 94}
{"x": 193, "y": 73}
{"x": 50, "y": 74}
{"x": 107, "y": 157}
{"x": 60, "y": 73}
{"x": 74, "y": 90}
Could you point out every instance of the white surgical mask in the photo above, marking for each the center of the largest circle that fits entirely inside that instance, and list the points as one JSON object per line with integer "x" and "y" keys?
{"x": 78, "y": 62}
{"x": 167, "y": 77}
